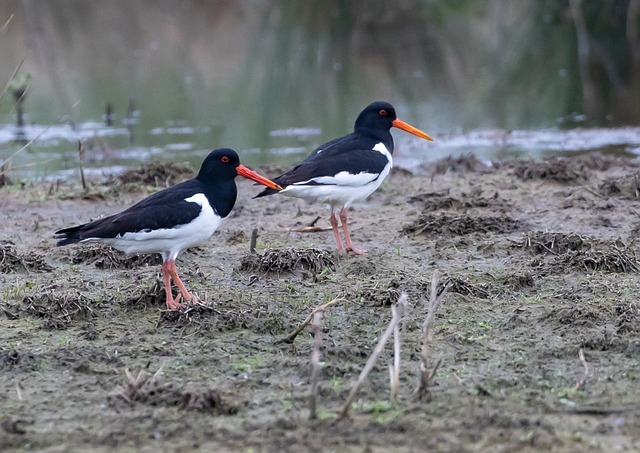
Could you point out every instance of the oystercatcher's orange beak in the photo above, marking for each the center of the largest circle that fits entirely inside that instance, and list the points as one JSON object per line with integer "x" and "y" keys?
{"x": 253, "y": 176}
{"x": 410, "y": 129}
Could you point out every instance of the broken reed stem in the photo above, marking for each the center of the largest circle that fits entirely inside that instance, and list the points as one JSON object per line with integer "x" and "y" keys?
{"x": 397, "y": 316}
{"x": 587, "y": 371}
{"x": 292, "y": 336}
{"x": 81, "y": 159}
{"x": 394, "y": 370}
{"x": 435, "y": 301}
{"x": 254, "y": 241}
{"x": 315, "y": 364}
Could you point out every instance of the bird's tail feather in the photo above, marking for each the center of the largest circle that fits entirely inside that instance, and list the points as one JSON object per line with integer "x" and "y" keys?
{"x": 69, "y": 235}
{"x": 266, "y": 192}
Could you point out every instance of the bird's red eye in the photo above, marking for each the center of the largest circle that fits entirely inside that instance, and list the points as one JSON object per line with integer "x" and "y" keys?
{"x": 224, "y": 159}
{"x": 382, "y": 112}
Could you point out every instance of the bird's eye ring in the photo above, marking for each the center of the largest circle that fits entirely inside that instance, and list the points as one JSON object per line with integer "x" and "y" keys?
{"x": 382, "y": 112}
{"x": 224, "y": 159}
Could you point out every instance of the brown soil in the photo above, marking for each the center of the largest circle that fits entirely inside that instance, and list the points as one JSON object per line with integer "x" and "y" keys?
{"x": 540, "y": 260}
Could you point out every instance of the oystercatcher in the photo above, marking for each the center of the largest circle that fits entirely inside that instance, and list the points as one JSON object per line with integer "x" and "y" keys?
{"x": 173, "y": 219}
{"x": 349, "y": 168}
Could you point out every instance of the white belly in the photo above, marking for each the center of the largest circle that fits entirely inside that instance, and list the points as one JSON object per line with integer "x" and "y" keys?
{"x": 343, "y": 188}
{"x": 170, "y": 241}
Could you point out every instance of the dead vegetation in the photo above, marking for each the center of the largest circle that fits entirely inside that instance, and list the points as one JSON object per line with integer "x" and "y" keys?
{"x": 567, "y": 171}
{"x": 575, "y": 170}
{"x": 435, "y": 201}
{"x": 543, "y": 243}
{"x": 467, "y": 163}
{"x": 611, "y": 258}
{"x": 518, "y": 309}
{"x": 428, "y": 367}
{"x": 289, "y": 260}
{"x": 105, "y": 257}
{"x": 58, "y": 310}
{"x": 583, "y": 253}
{"x": 450, "y": 225}
{"x": 232, "y": 314}
{"x": 465, "y": 288}
{"x": 13, "y": 262}
{"x": 397, "y": 315}
{"x": 157, "y": 174}
{"x": 141, "y": 297}
{"x": 627, "y": 186}
{"x": 151, "y": 390}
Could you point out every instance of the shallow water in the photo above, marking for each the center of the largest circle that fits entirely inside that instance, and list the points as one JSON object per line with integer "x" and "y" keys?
{"x": 51, "y": 151}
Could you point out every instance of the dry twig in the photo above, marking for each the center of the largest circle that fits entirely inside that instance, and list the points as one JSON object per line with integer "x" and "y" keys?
{"x": 254, "y": 241}
{"x": 398, "y": 314}
{"x": 435, "y": 301}
{"x": 394, "y": 369}
{"x": 81, "y": 164}
{"x": 315, "y": 364}
{"x": 292, "y": 336}
{"x": 587, "y": 371}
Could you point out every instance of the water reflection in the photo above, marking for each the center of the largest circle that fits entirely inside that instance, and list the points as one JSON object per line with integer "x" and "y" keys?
{"x": 177, "y": 78}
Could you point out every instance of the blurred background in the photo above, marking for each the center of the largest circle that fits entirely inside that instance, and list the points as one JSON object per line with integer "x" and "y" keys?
{"x": 172, "y": 79}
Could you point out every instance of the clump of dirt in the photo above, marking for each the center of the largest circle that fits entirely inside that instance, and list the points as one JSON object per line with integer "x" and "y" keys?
{"x": 12, "y": 262}
{"x": 609, "y": 259}
{"x": 580, "y": 252}
{"x": 460, "y": 286}
{"x": 380, "y": 295}
{"x": 543, "y": 243}
{"x": 237, "y": 237}
{"x": 603, "y": 340}
{"x": 105, "y": 257}
{"x": 151, "y": 390}
{"x": 290, "y": 260}
{"x": 627, "y": 186}
{"x": 517, "y": 282}
{"x": 158, "y": 174}
{"x": 12, "y": 358}
{"x": 435, "y": 201}
{"x": 211, "y": 318}
{"x": 150, "y": 296}
{"x": 575, "y": 316}
{"x": 58, "y": 310}
{"x": 627, "y": 319}
{"x": 462, "y": 164}
{"x": 603, "y": 162}
{"x": 450, "y": 225}
{"x": 200, "y": 316}
{"x": 553, "y": 169}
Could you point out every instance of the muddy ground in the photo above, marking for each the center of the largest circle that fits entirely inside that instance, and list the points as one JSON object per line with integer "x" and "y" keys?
{"x": 540, "y": 260}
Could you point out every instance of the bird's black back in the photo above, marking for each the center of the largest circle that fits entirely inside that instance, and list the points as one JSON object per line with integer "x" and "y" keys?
{"x": 169, "y": 208}
{"x": 350, "y": 153}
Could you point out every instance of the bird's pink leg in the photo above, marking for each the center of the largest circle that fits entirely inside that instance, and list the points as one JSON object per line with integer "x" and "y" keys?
{"x": 172, "y": 303}
{"x": 171, "y": 264}
{"x": 336, "y": 232}
{"x": 347, "y": 236}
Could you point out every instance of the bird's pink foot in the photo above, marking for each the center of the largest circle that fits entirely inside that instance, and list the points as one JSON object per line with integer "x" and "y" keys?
{"x": 353, "y": 249}
{"x": 174, "y": 303}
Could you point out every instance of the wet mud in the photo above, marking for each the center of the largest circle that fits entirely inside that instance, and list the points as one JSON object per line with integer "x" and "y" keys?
{"x": 538, "y": 337}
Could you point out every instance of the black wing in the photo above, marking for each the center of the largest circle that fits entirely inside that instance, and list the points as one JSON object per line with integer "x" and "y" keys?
{"x": 350, "y": 153}
{"x": 164, "y": 209}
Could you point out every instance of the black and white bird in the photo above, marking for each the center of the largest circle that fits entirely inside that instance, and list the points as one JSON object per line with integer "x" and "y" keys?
{"x": 349, "y": 168}
{"x": 173, "y": 219}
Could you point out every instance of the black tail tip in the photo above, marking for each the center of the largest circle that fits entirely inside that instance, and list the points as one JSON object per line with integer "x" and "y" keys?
{"x": 65, "y": 238}
{"x": 266, "y": 192}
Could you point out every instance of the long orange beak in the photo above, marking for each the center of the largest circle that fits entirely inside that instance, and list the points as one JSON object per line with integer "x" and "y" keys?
{"x": 253, "y": 176}
{"x": 410, "y": 129}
